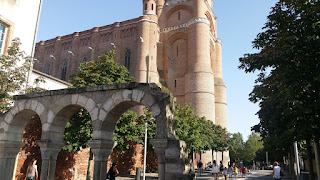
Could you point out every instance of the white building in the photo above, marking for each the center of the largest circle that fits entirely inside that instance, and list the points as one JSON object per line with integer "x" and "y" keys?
{"x": 19, "y": 19}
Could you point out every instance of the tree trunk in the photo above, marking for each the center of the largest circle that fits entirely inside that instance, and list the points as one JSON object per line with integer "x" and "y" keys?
{"x": 310, "y": 158}
{"x": 89, "y": 170}
{"x": 317, "y": 153}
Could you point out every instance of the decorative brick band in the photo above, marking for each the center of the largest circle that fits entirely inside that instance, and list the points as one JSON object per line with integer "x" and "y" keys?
{"x": 171, "y": 2}
{"x": 192, "y": 21}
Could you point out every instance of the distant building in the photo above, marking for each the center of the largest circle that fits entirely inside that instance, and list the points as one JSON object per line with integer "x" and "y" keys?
{"x": 174, "y": 43}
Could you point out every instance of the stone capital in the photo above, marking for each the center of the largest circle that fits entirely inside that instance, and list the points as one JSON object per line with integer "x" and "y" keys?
{"x": 10, "y": 149}
{"x": 101, "y": 148}
{"x": 49, "y": 149}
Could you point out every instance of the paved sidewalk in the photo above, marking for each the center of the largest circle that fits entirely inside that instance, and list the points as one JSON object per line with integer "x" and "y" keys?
{"x": 256, "y": 174}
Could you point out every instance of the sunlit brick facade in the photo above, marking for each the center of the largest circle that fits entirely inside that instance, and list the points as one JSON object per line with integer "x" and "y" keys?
{"x": 173, "y": 43}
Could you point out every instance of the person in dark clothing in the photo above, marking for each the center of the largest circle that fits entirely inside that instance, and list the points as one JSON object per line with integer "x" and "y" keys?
{"x": 113, "y": 172}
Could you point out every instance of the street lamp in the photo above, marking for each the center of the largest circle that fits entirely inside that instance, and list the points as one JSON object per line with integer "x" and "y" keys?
{"x": 92, "y": 51}
{"x": 71, "y": 53}
{"x": 52, "y": 56}
{"x": 113, "y": 45}
{"x": 145, "y": 152}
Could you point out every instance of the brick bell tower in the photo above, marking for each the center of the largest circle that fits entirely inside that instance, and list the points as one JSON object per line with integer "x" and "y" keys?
{"x": 189, "y": 60}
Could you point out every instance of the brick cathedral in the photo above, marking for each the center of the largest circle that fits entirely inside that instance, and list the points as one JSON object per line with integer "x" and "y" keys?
{"x": 173, "y": 43}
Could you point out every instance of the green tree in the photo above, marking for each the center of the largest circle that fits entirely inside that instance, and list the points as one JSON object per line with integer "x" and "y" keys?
{"x": 190, "y": 128}
{"x": 14, "y": 67}
{"x": 236, "y": 146}
{"x": 251, "y": 147}
{"x": 96, "y": 72}
{"x": 288, "y": 86}
{"x": 199, "y": 133}
{"x": 101, "y": 72}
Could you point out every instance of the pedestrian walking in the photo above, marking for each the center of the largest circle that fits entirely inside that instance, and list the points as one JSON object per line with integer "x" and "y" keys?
{"x": 113, "y": 172}
{"x": 32, "y": 171}
{"x": 243, "y": 171}
{"x": 276, "y": 174}
{"x": 221, "y": 167}
{"x": 236, "y": 171}
{"x": 215, "y": 170}
{"x": 225, "y": 173}
{"x": 200, "y": 165}
{"x": 230, "y": 170}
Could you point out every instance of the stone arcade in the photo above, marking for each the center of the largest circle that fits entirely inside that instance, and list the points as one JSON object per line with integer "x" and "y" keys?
{"x": 105, "y": 105}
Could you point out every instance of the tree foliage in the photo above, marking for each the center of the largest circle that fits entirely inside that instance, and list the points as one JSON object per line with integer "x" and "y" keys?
{"x": 101, "y": 72}
{"x": 131, "y": 128}
{"x": 96, "y": 72}
{"x": 288, "y": 86}
{"x": 14, "y": 67}
{"x": 236, "y": 146}
{"x": 252, "y": 146}
{"x": 198, "y": 133}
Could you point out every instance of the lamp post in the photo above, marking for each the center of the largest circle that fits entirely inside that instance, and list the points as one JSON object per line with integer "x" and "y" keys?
{"x": 145, "y": 152}
{"x": 92, "y": 52}
{"x": 52, "y": 56}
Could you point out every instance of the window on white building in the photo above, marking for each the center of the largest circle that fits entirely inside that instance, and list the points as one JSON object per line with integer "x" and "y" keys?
{"x": 3, "y": 31}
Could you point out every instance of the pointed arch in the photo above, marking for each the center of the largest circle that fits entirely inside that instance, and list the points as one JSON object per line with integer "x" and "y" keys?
{"x": 127, "y": 59}
{"x": 64, "y": 70}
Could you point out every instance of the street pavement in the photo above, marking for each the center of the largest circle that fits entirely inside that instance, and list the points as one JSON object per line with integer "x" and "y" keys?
{"x": 255, "y": 174}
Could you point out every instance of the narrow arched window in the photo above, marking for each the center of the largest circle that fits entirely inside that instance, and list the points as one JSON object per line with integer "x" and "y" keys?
{"x": 64, "y": 70}
{"x": 127, "y": 59}
{"x": 84, "y": 59}
{"x": 145, "y": 6}
{"x": 179, "y": 15}
{"x": 151, "y": 6}
{"x": 177, "y": 51}
{"x": 47, "y": 69}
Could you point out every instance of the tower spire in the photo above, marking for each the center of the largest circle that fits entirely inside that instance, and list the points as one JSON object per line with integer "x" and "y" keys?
{"x": 149, "y": 7}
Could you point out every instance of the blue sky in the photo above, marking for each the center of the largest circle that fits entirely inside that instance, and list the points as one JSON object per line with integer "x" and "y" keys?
{"x": 239, "y": 21}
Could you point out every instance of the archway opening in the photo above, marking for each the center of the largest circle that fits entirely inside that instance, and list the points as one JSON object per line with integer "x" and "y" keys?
{"x": 28, "y": 123}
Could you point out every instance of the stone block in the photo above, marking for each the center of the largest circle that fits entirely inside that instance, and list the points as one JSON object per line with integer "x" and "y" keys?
{"x": 108, "y": 105}
{"x": 90, "y": 104}
{"x": 34, "y": 104}
{"x": 74, "y": 98}
{"x": 50, "y": 116}
{"x": 45, "y": 127}
{"x": 4, "y": 127}
{"x": 14, "y": 110}
{"x": 40, "y": 109}
{"x": 94, "y": 113}
{"x": 65, "y": 100}
{"x": 137, "y": 95}
{"x": 148, "y": 100}
{"x": 127, "y": 95}
{"x": 28, "y": 104}
{"x": 155, "y": 109}
{"x": 117, "y": 97}
{"x": 21, "y": 105}
{"x": 102, "y": 114}
{"x": 8, "y": 118}
{"x": 82, "y": 100}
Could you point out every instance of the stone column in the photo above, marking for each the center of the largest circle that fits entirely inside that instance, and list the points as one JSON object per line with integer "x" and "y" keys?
{"x": 172, "y": 159}
{"x": 160, "y": 146}
{"x": 8, "y": 153}
{"x": 101, "y": 150}
{"x": 49, "y": 154}
{"x": 53, "y": 162}
{"x": 45, "y": 156}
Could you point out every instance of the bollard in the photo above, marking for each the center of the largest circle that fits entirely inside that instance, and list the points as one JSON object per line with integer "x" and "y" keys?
{"x": 138, "y": 173}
